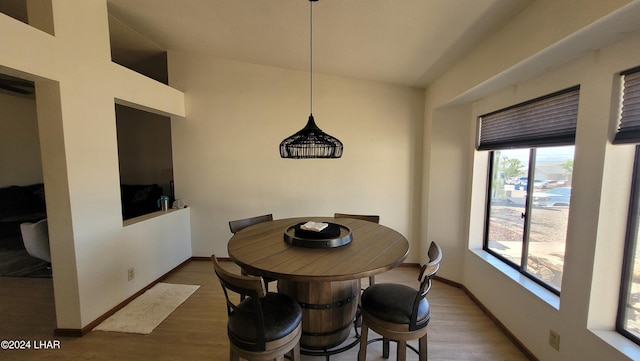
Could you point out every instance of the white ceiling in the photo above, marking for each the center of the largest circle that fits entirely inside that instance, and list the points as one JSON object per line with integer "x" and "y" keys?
{"x": 406, "y": 42}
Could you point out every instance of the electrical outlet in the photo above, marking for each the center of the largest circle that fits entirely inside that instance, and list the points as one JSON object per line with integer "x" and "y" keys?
{"x": 131, "y": 274}
{"x": 554, "y": 340}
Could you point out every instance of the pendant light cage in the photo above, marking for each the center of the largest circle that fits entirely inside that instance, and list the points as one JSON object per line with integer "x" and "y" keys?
{"x": 310, "y": 141}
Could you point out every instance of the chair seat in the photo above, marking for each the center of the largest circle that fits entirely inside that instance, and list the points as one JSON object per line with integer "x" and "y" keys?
{"x": 282, "y": 315}
{"x": 393, "y": 303}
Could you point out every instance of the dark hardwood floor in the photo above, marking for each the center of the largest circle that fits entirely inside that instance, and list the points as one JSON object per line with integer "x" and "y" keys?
{"x": 459, "y": 330}
{"x": 16, "y": 262}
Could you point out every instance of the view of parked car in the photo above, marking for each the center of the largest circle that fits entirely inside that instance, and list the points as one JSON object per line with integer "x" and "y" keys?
{"x": 522, "y": 182}
{"x": 560, "y": 196}
{"x": 540, "y": 184}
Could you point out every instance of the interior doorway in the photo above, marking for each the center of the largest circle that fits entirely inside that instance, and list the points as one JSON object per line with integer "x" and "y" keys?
{"x": 28, "y": 306}
{"x": 22, "y": 191}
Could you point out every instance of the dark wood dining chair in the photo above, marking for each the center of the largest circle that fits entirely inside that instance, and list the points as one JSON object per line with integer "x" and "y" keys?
{"x": 399, "y": 313}
{"x": 240, "y": 224}
{"x": 263, "y": 326}
{"x": 362, "y": 217}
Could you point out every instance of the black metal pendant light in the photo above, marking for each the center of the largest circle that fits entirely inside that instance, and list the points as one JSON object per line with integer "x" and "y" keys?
{"x": 310, "y": 141}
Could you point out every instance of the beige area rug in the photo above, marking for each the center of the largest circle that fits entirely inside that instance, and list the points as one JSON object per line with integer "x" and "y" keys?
{"x": 148, "y": 310}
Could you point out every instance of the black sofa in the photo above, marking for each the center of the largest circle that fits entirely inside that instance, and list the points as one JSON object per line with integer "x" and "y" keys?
{"x": 139, "y": 199}
{"x": 19, "y": 204}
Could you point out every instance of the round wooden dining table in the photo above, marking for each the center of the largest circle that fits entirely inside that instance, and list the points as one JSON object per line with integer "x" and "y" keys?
{"x": 325, "y": 281}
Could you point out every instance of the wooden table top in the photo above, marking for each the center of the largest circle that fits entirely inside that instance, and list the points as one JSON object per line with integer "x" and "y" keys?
{"x": 261, "y": 249}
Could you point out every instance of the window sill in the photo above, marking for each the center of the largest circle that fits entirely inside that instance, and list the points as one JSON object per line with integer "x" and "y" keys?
{"x": 147, "y": 216}
{"x": 540, "y": 292}
{"x": 619, "y": 342}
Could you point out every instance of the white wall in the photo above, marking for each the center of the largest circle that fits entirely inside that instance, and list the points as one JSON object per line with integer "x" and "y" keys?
{"x": 76, "y": 87}
{"x": 227, "y": 164}
{"x": 447, "y": 186}
{"x": 589, "y": 49}
{"x": 19, "y": 144}
{"x": 226, "y": 152}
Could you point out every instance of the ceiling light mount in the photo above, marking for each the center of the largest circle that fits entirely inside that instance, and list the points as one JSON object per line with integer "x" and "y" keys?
{"x": 310, "y": 141}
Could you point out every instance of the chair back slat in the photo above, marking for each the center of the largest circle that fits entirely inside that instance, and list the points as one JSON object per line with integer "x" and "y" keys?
{"x": 253, "y": 288}
{"x": 363, "y": 217}
{"x": 262, "y": 325}
{"x": 240, "y": 224}
{"x": 426, "y": 273}
{"x": 241, "y": 284}
{"x": 432, "y": 267}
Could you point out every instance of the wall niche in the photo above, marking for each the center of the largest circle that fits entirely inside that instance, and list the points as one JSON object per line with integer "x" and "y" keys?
{"x": 145, "y": 159}
{"x": 36, "y": 13}
{"x": 133, "y": 51}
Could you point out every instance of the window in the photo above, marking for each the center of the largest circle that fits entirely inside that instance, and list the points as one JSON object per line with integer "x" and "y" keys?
{"x": 529, "y": 193}
{"x": 628, "y": 320}
{"x": 527, "y": 220}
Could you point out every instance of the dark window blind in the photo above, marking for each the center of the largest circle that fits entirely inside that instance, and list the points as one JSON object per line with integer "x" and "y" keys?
{"x": 548, "y": 120}
{"x": 629, "y": 126}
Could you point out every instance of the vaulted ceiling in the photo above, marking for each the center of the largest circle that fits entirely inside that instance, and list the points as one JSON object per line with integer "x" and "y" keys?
{"x": 407, "y": 42}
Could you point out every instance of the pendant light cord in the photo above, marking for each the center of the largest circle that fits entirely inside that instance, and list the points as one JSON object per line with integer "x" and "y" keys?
{"x": 311, "y": 56}
{"x": 310, "y": 142}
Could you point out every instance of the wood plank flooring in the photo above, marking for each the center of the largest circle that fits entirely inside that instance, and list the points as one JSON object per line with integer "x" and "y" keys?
{"x": 16, "y": 262}
{"x": 459, "y": 330}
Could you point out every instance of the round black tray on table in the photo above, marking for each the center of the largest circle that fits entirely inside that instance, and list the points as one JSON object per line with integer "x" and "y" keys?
{"x": 295, "y": 237}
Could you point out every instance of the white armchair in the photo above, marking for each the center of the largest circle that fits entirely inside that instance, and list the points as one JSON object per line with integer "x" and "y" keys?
{"x": 36, "y": 239}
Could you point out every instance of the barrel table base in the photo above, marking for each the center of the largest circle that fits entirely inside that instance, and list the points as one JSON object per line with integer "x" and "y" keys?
{"x": 328, "y": 310}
